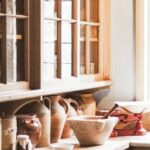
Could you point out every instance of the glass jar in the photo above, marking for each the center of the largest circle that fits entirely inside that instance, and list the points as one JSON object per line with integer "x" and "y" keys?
{"x": 23, "y": 143}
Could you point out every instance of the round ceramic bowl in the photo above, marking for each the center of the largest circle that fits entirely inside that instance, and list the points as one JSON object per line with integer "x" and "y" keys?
{"x": 92, "y": 130}
{"x": 133, "y": 107}
{"x": 61, "y": 146}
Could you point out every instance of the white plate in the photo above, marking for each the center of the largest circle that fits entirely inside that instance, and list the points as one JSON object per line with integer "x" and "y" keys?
{"x": 133, "y": 107}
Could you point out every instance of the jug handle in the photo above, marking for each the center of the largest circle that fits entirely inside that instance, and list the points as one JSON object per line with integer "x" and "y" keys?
{"x": 46, "y": 102}
{"x": 74, "y": 104}
{"x": 63, "y": 103}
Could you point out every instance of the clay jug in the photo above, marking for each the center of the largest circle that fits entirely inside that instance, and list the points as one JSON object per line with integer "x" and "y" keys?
{"x": 59, "y": 109}
{"x": 89, "y": 106}
{"x": 9, "y": 128}
{"x": 73, "y": 108}
{"x": 43, "y": 113}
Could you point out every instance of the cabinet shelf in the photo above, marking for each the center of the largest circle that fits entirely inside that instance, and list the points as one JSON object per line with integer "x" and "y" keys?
{"x": 14, "y": 16}
{"x": 57, "y": 89}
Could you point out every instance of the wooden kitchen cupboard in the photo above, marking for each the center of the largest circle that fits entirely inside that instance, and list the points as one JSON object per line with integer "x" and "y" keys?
{"x": 71, "y": 44}
{"x": 53, "y": 46}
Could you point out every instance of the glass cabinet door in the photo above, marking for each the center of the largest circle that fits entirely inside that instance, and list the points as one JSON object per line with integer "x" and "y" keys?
{"x": 14, "y": 39}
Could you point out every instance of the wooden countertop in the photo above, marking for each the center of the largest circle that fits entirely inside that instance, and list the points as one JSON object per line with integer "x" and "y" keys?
{"x": 118, "y": 143}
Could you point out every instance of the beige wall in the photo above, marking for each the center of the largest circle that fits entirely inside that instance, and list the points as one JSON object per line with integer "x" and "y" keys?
{"x": 123, "y": 55}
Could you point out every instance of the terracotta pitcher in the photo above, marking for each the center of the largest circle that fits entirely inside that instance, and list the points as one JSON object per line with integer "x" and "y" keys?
{"x": 73, "y": 110}
{"x": 89, "y": 106}
{"x": 59, "y": 109}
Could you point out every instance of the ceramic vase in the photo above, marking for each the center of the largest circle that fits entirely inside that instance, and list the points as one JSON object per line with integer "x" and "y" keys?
{"x": 59, "y": 109}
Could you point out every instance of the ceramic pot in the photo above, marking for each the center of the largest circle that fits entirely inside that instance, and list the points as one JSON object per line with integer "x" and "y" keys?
{"x": 73, "y": 108}
{"x": 29, "y": 125}
{"x": 59, "y": 109}
{"x": 89, "y": 106}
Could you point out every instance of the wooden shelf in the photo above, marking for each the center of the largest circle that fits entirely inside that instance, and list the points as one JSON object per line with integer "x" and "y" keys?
{"x": 14, "y": 16}
{"x": 51, "y": 90}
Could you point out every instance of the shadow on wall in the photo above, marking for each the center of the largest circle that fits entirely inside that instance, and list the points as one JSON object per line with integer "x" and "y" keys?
{"x": 100, "y": 95}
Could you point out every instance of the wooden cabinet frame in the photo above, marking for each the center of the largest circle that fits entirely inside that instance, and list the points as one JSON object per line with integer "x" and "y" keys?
{"x": 33, "y": 85}
{"x": 104, "y": 27}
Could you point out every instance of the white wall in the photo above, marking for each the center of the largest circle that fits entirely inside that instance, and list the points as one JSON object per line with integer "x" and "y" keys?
{"x": 123, "y": 55}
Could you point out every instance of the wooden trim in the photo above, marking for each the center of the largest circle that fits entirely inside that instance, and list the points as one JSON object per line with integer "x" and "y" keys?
{"x": 74, "y": 39}
{"x": 14, "y": 16}
{"x": 139, "y": 49}
{"x": 87, "y": 45}
{"x": 35, "y": 47}
{"x": 59, "y": 24}
{"x": 101, "y": 40}
{"x": 104, "y": 39}
{"x": 26, "y": 40}
{"x": 107, "y": 41}
{"x": 4, "y": 40}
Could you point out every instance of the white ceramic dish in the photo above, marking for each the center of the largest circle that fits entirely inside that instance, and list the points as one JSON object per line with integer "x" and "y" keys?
{"x": 61, "y": 146}
{"x": 92, "y": 130}
{"x": 133, "y": 107}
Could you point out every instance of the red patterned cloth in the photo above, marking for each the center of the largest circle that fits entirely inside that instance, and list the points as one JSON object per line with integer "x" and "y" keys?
{"x": 128, "y": 124}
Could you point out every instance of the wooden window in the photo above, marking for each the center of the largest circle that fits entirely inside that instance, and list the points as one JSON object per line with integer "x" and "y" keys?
{"x": 14, "y": 41}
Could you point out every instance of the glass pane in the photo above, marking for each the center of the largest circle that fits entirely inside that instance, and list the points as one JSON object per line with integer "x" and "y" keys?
{"x": 15, "y": 7}
{"x": 94, "y": 57}
{"x": 15, "y": 49}
{"x": 82, "y": 49}
{"x": 49, "y": 71}
{"x": 66, "y": 53}
{"x": 50, "y": 8}
{"x": 0, "y": 49}
{"x": 94, "y": 10}
{"x": 82, "y": 57}
{"x": 49, "y": 52}
{"x": 66, "y": 9}
{"x": 20, "y": 50}
{"x": 0, "y": 62}
{"x": 94, "y": 32}
{"x": 50, "y": 31}
{"x": 20, "y": 6}
{"x": 83, "y": 9}
{"x": 82, "y": 32}
{"x": 66, "y": 33}
{"x": 66, "y": 70}
{"x": 94, "y": 50}
{"x": 0, "y": 6}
